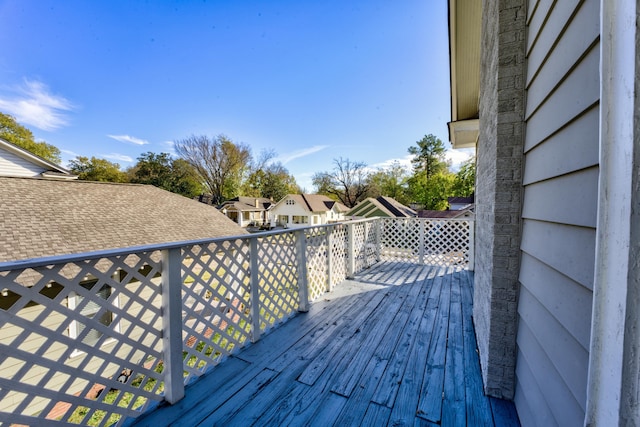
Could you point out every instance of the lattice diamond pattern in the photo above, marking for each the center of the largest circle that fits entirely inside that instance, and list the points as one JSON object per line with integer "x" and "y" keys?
{"x": 81, "y": 342}
{"x": 338, "y": 254}
{"x": 365, "y": 245}
{"x": 317, "y": 261}
{"x": 401, "y": 239}
{"x": 447, "y": 243}
{"x": 69, "y": 331}
{"x": 278, "y": 278}
{"x": 215, "y": 300}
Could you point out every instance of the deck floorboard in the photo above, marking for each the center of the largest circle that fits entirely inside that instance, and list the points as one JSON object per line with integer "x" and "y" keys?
{"x": 394, "y": 346}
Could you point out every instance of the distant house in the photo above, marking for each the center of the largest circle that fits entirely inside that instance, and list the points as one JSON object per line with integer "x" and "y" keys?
{"x": 43, "y": 216}
{"x": 16, "y": 161}
{"x": 247, "y": 211}
{"x": 300, "y": 210}
{"x": 458, "y": 203}
{"x": 381, "y": 207}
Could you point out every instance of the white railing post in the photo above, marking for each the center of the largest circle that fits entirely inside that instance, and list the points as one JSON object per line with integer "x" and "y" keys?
{"x": 329, "y": 243}
{"x": 472, "y": 245}
{"x": 379, "y": 229}
{"x": 172, "y": 325}
{"x": 351, "y": 251}
{"x": 421, "y": 240}
{"x": 303, "y": 283}
{"x": 255, "y": 291}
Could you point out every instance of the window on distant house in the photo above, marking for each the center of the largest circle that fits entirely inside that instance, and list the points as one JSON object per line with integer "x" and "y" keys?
{"x": 283, "y": 219}
{"x": 299, "y": 219}
{"x": 92, "y": 310}
{"x": 290, "y": 202}
{"x": 315, "y": 219}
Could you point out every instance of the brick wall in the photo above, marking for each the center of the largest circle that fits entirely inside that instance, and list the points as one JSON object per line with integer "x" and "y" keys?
{"x": 499, "y": 191}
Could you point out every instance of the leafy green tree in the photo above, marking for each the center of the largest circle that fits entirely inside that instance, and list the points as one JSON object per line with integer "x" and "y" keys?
{"x": 160, "y": 170}
{"x": 95, "y": 169}
{"x": 465, "y": 181}
{"x": 219, "y": 162}
{"x": 15, "y": 133}
{"x": 272, "y": 181}
{"x": 429, "y": 156}
{"x": 431, "y": 192}
{"x": 348, "y": 182}
{"x": 185, "y": 180}
{"x": 391, "y": 182}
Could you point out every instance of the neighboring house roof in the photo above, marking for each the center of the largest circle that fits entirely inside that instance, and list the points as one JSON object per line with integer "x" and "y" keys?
{"x": 16, "y": 161}
{"x": 444, "y": 214}
{"x": 45, "y": 217}
{"x": 386, "y": 205}
{"x": 248, "y": 204}
{"x": 462, "y": 200}
{"x": 315, "y": 202}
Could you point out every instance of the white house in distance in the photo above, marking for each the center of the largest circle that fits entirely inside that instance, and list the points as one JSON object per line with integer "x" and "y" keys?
{"x": 247, "y": 210}
{"x": 301, "y": 210}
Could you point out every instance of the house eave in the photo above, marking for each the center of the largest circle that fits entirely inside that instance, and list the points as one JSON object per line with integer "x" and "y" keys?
{"x": 464, "y": 61}
{"x": 464, "y": 133}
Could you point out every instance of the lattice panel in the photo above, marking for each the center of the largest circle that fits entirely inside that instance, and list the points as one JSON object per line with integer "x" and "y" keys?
{"x": 447, "y": 243}
{"x": 317, "y": 261}
{"x": 215, "y": 300}
{"x": 365, "y": 245}
{"x": 430, "y": 241}
{"x": 400, "y": 239}
{"x": 338, "y": 255}
{"x": 81, "y": 342}
{"x": 278, "y": 278}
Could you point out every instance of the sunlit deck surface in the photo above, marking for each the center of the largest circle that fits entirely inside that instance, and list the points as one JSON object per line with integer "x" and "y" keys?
{"x": 395, "y": 346}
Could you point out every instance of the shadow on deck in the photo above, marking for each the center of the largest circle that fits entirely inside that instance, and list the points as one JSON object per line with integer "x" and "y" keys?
{"x": 395, "y": 346}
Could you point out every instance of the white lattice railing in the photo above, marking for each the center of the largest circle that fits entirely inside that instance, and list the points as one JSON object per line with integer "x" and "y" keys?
{"x": 94, "y": 339}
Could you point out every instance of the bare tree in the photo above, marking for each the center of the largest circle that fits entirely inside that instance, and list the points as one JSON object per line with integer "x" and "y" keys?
{"x": 219, "y": 162}
{"x": 347, "y": 182}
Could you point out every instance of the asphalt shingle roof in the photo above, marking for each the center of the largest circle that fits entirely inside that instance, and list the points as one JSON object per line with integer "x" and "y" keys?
{"x": 41, "y": 217}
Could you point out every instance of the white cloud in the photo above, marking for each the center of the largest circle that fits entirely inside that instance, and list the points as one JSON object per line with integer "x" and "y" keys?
{"x": 286, "y": 158}
{"x": 404, "y": 162}
{"x": 459, "y": 156}
{"x": 129, "y": 138}
{"x": 32, "y": 104}
{"x": 118, "y": 157}
{"x": 69, "y": 153}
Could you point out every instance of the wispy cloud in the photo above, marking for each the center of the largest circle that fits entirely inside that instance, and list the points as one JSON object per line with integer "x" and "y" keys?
{"x": 459, "y": 156}
{"x": 286, "y": 158}
{"x": 129, "y": 138}
{"x": 69, "y": 153}
{"x": 32, "y": 103}
{"x": 454, "y": 157}
{"x": 118, "y": 157}
{"x": 404, "y": 162}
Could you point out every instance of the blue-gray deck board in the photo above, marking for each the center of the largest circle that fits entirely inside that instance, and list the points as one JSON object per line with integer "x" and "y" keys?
{"x": 398, "y": 350}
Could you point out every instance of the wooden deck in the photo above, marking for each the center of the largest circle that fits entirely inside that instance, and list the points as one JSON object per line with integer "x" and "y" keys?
{"x": 394, "y": 347}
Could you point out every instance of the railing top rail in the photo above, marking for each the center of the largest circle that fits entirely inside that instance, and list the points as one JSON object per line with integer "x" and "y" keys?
{"x": 58, "y": 259}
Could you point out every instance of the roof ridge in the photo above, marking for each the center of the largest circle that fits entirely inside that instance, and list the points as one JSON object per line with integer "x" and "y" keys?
{"x": 306, "y": 202}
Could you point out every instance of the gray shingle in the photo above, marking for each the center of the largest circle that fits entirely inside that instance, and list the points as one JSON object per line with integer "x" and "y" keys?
{"x": 42, "y": 217}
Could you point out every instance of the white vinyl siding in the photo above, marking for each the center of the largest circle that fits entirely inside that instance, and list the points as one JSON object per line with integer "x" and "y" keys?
{"x": 559, "y": 211}
{"x": 12, "y": 165}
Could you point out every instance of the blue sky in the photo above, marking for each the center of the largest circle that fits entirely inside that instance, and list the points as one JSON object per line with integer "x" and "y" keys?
{"x": 311, "y": 80}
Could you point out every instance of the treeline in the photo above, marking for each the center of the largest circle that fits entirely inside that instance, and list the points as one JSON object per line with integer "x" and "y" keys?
{"x": 226, "y": 169}
{"x": 428, "y": 184}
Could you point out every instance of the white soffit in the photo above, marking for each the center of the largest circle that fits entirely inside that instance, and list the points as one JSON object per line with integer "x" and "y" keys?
{"x": 464, "y": 133}
{"x": 465, "y": 24}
